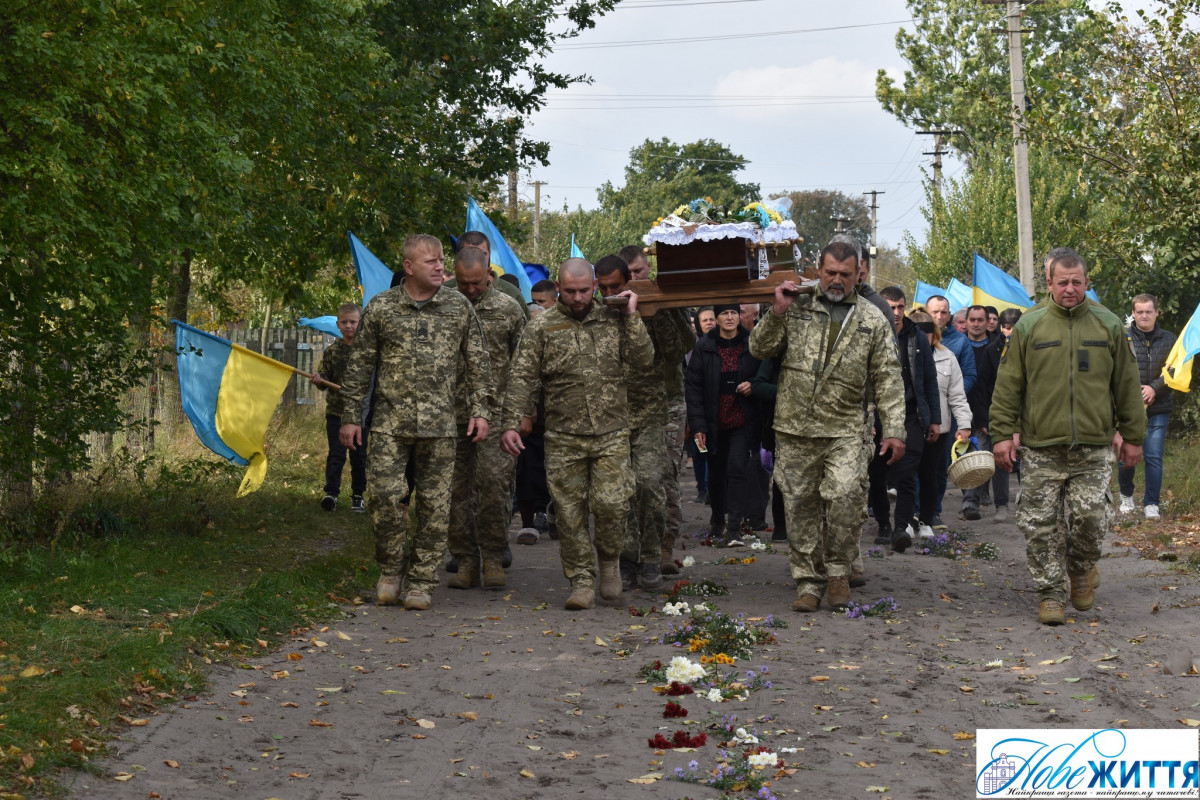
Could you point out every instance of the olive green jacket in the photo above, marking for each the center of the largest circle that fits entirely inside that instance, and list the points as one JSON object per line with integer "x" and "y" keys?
{"x": 649, "y": 389}
{"x": 1067, "y": 377}
{"x": 502, "y": 323}
{"x": 818, "y": 399}
{"x": 415, "y": 349}
{"x": 580, "y": 367}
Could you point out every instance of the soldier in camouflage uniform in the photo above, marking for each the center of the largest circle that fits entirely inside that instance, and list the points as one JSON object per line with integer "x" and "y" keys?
{"x": 481, "y": 490}
{"x": 831, "y": 348}
{"x": 1065, "y": 378}
{"x": 647, "y": 398}
{"x": 578, "y": 351}
{"x": 413, "y": 337}
{"x": 331, "y": 369}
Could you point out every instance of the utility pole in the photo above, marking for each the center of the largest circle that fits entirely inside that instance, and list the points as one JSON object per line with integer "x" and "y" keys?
{"x": 874, "y": 229}
{"x": 512, "y": 196}
{"x": 1016, "y": 70}
{"x": 840, "y": 221}
{"x": 537, "y": 220}
{"x": 939, "y": 142}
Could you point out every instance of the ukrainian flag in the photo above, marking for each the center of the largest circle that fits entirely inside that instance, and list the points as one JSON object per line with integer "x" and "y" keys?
{"x": 373, "y": 275}
{"x": 229, "y": 393}
{"x": 959, "y": 294}
{"x": 575, "y": 251}
{"x": 325, "y": 324}
{"x": 502, "y": 255}
{"x": 926, "y": 291}
{"x": 995, "y": 287}
{"x": 1177, "y": 371}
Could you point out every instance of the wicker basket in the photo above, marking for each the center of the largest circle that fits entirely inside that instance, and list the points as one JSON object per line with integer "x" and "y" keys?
{"x": 971, "y": 469}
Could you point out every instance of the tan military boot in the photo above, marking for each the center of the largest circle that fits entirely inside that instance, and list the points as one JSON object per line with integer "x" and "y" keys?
{"x": 467, "y": 576}
{"x": 417, "y": 600}
{"x": 839, "y": 591}
{"x": 493, "y": 574}
{"x": 387, "y": 591}
{"x": 582, "y": 597}
{"x": 806, "y": 603}
{"x": 1050, "y": 612}
{"x": 1094, "y": 576}
{"x": 610, "y": 578}
{"x": 1083, "y": 594}
{"x": 668, "y": 565}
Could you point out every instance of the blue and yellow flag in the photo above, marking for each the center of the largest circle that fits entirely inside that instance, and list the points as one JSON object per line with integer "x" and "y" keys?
{"x": 325, "y": 324}
{"x": 502, "y": 255}
{"x": 926, "y": 291}
{"x": 995, "y": 287}
{"x": 373, "y": 275}
{"x": 575, "y": 251}
{"x": 960, "y": 295}
{"x": 229, "y": 393}
{"x": 1177, "y": 371}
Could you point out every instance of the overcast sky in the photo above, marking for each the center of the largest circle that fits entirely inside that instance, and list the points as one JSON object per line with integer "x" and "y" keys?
{"x": 760, "y": 76}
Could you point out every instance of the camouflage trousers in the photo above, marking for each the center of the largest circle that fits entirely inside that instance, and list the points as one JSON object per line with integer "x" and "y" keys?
{"x": 822, "y": 486}
{"x": 588, "y": 473}
{"x": 647, "y": 513}
{"x": 673, "y": 433}
{"x": 480, "y": 499}
{"x": 399, "y": 551}
{"x": 1056, "y": 481}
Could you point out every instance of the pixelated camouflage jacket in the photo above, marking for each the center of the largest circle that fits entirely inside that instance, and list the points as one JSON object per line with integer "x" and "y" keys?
{"x": 819, "y": 399}
{"x": 673, "y": 370}
{"x": 647, "y": 389}
{"x": 502, "y": 323}
{"x": 1066, "y": 377}
{"x": 580, "y": 366}
{"x": 332, "y": 368}
{"x": 415, "y": 349}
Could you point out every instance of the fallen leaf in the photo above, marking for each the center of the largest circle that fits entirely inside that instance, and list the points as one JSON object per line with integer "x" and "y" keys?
{"x": 1084, "y": 697}
{"x": 263, "y": 643}
{"x": 319, "y": 643}
{"x": 963, "y": 736}
{"x": 457, "y": 760}
{"x": 646, "y": 780}
{"x": 471, "y": 716}
{"x": 534, "y": 746}
{"x": 863, "y": 764}
{"x": 966, "y": 689}
{"x": 600, "y": 642}
{"x": 527, "y": 774}
{"x": 32, "y": 671}
{"x": 424, "y": 723}
{"x": 419, "y": 736}
{"x": 123, "y": 776}
{"x": 171, "y": 763}
{"x": 877, "y": 789}
{"x": 392, "y": 691}
{"x": 1154, "y": 610}
{"x": 78, "y": 610}
{"x": 329, "y": 689}
{"x": 945, "y": 597}
{"x": 825, "y": 708}
{"x": 295, "y": 657}
{"x": 344, "y": 637}
{"x": 831, "y": 728}
{"x": 139, "y": 723}
{"x": 316, "y": 723}
{"x": 1191, "y": 723}
{"x": 402, "y": 640}
{"x": 938, "y": 752}
{"x": 819, "y": 678}
{"x": 446, "y": 666}
{"x": 570, "y": 755}
{"x": 289, "y": 704}
{"x": 299, "y": 774}
{"x": 238, "y": 693}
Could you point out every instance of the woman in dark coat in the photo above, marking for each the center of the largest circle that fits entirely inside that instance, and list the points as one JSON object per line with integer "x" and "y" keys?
{"x": 722, "y": 416}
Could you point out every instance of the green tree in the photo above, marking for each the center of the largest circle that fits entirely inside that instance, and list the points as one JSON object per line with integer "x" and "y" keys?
{"x": 957, "y": 74}
{"x": 818, "y": 213}
{"x": 661, "y": 175}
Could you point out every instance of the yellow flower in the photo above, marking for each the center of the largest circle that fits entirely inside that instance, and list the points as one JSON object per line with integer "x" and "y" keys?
{"x": 749, "y": 560}
{"x": 696, "y": 643}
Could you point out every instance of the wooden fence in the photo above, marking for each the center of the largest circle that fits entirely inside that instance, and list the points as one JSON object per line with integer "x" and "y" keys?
{"x": 297, "y": 347}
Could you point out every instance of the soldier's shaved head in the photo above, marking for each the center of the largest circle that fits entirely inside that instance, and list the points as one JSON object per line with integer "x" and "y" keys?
{"x": 575, "y": 268}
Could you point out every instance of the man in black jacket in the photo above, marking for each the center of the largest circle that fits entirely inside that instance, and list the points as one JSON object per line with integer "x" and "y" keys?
{"x": 987, "y": 350}
{"x": 922, "y": 421}
{"x": 1151, "y": 345}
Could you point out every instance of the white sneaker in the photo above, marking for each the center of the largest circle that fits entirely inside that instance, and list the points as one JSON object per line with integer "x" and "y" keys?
{"x": 1152, "y": 512}
{"x": 892, "y": 493}
{"x": 1127, "y": 506}
{"x": 924, "y": 531}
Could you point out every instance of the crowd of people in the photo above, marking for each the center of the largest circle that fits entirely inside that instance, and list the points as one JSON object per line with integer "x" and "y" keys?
{"x": 837, "y": 403}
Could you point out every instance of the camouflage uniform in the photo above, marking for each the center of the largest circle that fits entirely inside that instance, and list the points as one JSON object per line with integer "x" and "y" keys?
{"x": 580, "y": 366}
{"x": 481, "y": 489}
{"x": 647, "y": 397}
{"x": 415, "y": 352}
{"x": 819, "y": 442}
{"x": 675, "y": 429}
{"x": 1066, "y": 382}
{"x": 332, "y": 368}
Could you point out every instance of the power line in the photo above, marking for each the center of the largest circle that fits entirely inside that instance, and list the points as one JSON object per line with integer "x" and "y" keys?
{"x": 662, "y": 106}
{"x": 683, "y": 4}
{"x": 724, "y": 37}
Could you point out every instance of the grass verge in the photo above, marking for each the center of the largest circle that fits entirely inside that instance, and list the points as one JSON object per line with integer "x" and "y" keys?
{"x": 121, "y": 588}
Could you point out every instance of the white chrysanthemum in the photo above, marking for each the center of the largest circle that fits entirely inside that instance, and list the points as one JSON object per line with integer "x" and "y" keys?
{"x": 699, "y": 607}
{"x": 684, "y": 670}
{"x": 741, "y": 736}
{"x": 688, "y": 561}
{"x": 996, "y": 663}
{"x": 787, "y": 750}
{"x": 676, "y": 609}
{"x": 762, "y": 760}
{"x": 758, "y": 546}
{"x": 715, "y": 696}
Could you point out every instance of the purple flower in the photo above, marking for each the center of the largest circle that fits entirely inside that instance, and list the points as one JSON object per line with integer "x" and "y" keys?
{"x": 693, "y": 764}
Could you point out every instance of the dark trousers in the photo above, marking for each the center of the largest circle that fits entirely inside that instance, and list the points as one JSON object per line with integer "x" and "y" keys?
{"x": 532, "y": 494}
{"x": 699, "y": 466}
{"x": 336, "y": 460}
{"x": 927, "y": 472}
{"x": 727, "y": 455}
{"x": 902, "y": 476}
